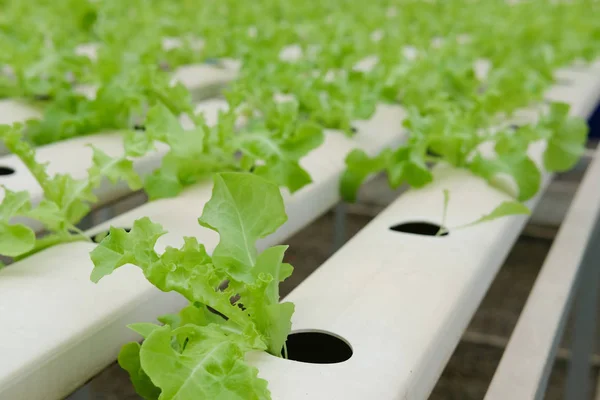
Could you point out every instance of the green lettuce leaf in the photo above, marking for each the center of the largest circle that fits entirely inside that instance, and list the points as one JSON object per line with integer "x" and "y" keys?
{"x": 65, "y": 201}
{"x": 243, "y": 209}
{"x": 521, "y": 168}
{"x": 567, "y": 140}
{"x": 359, "y": 166}
{"x": 129, "y": 360}
{"x": 15, "y": 239}
{"x": 211, "y": 366}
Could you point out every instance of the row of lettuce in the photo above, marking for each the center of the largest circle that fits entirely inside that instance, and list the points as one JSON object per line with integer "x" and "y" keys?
{"x": 459, "y": 69}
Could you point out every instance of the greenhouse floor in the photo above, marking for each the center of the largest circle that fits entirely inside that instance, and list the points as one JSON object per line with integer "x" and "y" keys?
{"x": 471, "y": 367}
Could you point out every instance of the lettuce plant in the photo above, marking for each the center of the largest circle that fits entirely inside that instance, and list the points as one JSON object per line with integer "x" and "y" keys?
{"x": 271, "y": 145}
{"x": 65, "y": 202}
{"x": 233, "y": 296}
{"x": 447, "y": 136}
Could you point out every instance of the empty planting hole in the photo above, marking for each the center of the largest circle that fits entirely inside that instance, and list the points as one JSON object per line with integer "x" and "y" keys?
{"x": 419, "y": 228}
{"x": 353, "y": 129}
{"x": 4, "y": 171}
{"x": 98, "y": 237}
{"x": 317, "y": 347}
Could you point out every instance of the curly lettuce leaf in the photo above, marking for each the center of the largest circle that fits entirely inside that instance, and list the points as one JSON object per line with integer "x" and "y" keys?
{"x": 276, "y": 144}
{"x": 568, "y": 136}
{"x": 15, "y": 239}
{"x": 129, "y": 360}
{"x": 65, "y": 201}
{"x": 405, "y": 165}
{"x": 402, "y": 165}
{"x": 272, "y": 318}
{"x": 189, "y": 158}
{"x": 359, "y": 166}
{"x": 521, "y": 168}
{"x": 115, "y": 169}
{"x": 237, "y": 281}
{"x": 210, "y": 366}
{"x": 270, "y": 147}
{"x": 120, "y": 248}
{"x": 243, "y": 208}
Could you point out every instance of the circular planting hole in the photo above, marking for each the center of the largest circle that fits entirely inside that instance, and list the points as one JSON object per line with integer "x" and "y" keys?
{"x": 317, "y": 347}
{"x": 138, "y": 127}
{"x": 420, "y": 228}
{"x": 353, "y": 129}
{"x": 6, "y": 171}
{"x": 98, "y": 237}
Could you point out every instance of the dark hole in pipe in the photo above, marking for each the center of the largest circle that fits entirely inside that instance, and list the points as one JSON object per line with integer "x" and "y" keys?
{"x": 317, "y": 347}
{"x": 6, "y": 171}
{"x": 353, "y": 129}
{"x": 138, "y": 127}
{"x": 419, "y": 228}
{"x": 98, "y": 237}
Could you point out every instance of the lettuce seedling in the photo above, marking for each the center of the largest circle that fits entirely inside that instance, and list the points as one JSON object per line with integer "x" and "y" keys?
{"x": 233, "y": 296}
{"x": 65, "y": 201}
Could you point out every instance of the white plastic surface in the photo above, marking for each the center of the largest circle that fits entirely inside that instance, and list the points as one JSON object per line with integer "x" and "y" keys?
{"x": 80, "y": 326}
